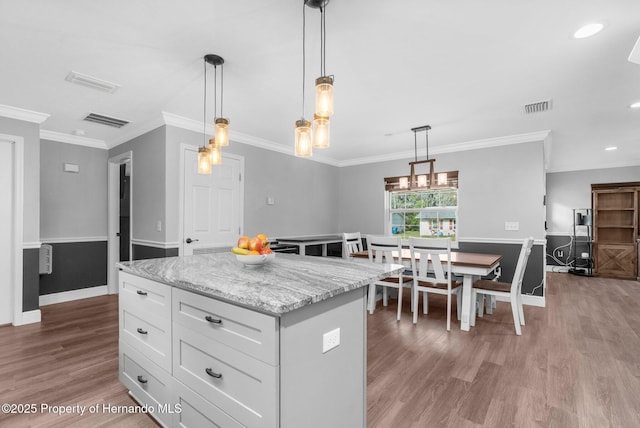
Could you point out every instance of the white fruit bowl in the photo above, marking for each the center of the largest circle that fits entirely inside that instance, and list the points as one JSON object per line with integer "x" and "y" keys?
{"x": 255, "y": 260}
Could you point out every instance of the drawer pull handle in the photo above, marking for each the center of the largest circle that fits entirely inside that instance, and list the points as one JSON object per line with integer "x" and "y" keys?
{"x": 142, "y": 293}
{"x": 213, "y": 320}
{"x": 141, "y": 379}
{"x": 213, "y": 374}
{"x": 141, "y": 331}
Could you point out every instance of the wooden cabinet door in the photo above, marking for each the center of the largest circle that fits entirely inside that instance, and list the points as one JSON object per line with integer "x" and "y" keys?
{"x": 616, "y": 260}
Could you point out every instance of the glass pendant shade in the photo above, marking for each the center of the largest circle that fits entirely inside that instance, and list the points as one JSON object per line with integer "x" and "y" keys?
{"x": 215, "y": 154}
{"x": 403, "y": 182}
{"x": 442, "y": 179}
{"x": 321, "y": 132}
{"x": 204, "y": 163}
{"x": 303, "y": 138}
{"x": 422, "y": 181}
{"x": 324, "y": 96}
{"x": 222, "y": 132}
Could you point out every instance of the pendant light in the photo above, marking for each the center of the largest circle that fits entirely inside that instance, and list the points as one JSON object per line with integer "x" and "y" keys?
{"x": 321, "y": 132}
{"x": 324, "y": 83}
{"x": 324, "y": 86}
{"x": 303, "y": 142}
{"x": 215, "y": 154}
{"x": 221, "y": 123}
{"x": 204, "y": 154}
{"x": 422, "y": 181}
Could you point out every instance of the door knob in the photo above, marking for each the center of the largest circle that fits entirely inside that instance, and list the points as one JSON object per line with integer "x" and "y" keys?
{"x": 189, "y": 240}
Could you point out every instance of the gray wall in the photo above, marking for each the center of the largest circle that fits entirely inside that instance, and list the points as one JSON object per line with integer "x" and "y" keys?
{"x": 72, "y": 205}
{"x": 495, "y": 185}
{"x": 572, "y": 189}
{"x": 305, "y": 192}
{"x": 148, "y": 177}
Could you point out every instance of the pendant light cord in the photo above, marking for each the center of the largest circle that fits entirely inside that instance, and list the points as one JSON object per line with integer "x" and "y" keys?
{"x": 221, "y": 88}
{"x": 215, "y": 92}
{"x": 323, "y": 41}
{"x": 204, "y": 118}
{"x": 303, "y": 53}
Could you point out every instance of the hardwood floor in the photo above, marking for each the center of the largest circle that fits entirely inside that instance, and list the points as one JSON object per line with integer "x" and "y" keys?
{"x": 70, "y": 358}
{"x": 577, "y": 364}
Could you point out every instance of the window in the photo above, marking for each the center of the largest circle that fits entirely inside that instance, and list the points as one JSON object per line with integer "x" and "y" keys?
{"x": 428, "y": 213}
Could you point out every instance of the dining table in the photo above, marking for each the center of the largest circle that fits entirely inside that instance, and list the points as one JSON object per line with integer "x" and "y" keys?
{"x": 471, "y": 266}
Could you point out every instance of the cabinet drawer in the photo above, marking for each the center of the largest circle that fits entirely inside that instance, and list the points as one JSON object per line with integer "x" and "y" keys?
{"x": 243, "y": 387}
{"x": 196, "y": 412}
{"x": 247, "y": 331}
{"x": 153, "y": 340}
{"x": 143, "y": 296}
{"x": 147, "y": 383}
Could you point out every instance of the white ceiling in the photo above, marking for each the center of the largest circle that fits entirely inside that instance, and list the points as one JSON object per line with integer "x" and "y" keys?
{"x": 465, "y": 67}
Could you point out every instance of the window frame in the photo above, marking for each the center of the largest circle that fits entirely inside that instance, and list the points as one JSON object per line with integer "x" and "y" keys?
{"x": 388, "y": 211}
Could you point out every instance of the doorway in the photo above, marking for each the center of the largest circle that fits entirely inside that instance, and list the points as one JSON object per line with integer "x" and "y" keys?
{"x": 11, "y": 228}
{"x": 120, "y": 215}
{"x": 212, "y": 206}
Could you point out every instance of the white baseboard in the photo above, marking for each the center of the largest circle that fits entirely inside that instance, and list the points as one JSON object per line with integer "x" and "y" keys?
{"x": 31, "y": 317}
{"x": 556, "y": 268}
{"x": 67, "y": 296}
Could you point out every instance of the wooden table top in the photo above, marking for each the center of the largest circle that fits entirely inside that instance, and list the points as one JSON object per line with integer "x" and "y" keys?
{"x": 458, "y": 258}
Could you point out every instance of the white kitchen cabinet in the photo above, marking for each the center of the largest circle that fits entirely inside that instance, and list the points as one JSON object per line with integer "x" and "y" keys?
{"x": 201, "y": 361}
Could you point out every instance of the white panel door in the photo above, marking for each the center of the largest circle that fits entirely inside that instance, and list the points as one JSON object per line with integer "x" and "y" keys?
{"x": 6, "y": 231}
{"x": 212, "y": 214}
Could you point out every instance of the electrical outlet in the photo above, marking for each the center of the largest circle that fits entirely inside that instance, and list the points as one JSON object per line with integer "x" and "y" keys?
{"x": 511, "y": 225}
{"x": 330, "y": 340}
{"x": 159, "y": 225}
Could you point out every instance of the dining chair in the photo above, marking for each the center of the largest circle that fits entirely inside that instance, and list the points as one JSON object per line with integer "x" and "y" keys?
{"x": 351, "y": 243}
{"x": 490, "y": 301}
{"x": 381, "y": 249}
{"x": 505, "y": 290}
{"x": 431, "y": 267}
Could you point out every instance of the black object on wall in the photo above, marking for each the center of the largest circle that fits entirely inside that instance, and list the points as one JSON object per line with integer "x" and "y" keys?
{"x": 141, "y": 252}
{"x": 31, "y": 282}
{"x": 76, "y": 265}
{"x": 533, "y": 274}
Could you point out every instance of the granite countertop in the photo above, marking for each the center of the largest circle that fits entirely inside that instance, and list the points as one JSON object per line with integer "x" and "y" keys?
{"x": 287, "y": 283}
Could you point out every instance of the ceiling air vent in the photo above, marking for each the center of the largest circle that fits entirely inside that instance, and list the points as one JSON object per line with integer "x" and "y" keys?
{"x": 105, "y": 120}
{"x": 537, "y": 107}
{"x": 91, "y": 82}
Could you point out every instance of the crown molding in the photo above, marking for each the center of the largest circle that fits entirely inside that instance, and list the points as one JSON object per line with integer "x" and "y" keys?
{"x": 597, "y": 165}
{"x": 458, "y": 147}
{"x": 136, "y": 131}
{"x": 72, "y": 139}
{"x": 22, "y": 114}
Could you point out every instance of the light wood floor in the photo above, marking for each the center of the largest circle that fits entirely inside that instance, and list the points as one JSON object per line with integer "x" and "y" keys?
{"x": 577, "y": 364}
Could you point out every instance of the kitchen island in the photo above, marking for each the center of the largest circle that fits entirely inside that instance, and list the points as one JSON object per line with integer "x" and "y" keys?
{"x": 208, "y": 341}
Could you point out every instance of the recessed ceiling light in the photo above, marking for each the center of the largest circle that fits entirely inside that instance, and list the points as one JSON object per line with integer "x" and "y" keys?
{"x": 635, "y": 105}
{"x": 588, "y": 30}
{"x": 611, "y": 148}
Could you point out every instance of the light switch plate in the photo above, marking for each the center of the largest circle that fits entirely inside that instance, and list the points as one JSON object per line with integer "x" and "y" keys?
{"x": 511, "y": 225}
